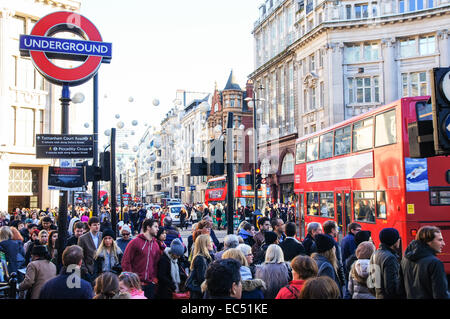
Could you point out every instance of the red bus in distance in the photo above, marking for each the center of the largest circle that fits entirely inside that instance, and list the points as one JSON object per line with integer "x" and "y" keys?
{"x": 360, "y": 170}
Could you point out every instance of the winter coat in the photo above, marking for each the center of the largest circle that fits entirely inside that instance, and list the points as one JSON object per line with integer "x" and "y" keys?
{"x": 171, "y": 234}
{"x": 102, "y": 264}
{"x": 310, "y": 245}
{"x": 11, "y": 248}
{"x": 247, "y": 237}
{"x": 386, "y": 265}
{"x": 291, "y": 248}
{"x": 357, "y": 280}
{"x": 197, "y": 275}
{"x": 292, "y": 290}
{"x": 57, "y": 288}
{"x": 122, "y": 243}
{"x": 348, "y": 247}
{"x": 166, "y": 284}
{"x": 253, "y": 289}
{"x": 327, "y": 269}
{"x": 137, "y": 294}
{"x": 141, "y": 257}
{"x": 275, "y": 276}
{"x": 38, "y": 273}
{"x": 423, "y": 273}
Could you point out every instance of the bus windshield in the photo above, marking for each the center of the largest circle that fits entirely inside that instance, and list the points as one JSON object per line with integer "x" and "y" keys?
{"x": 216, "y": 184}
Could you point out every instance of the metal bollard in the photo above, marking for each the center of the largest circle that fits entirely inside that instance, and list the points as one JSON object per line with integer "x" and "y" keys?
{"x": 13, "y": 286}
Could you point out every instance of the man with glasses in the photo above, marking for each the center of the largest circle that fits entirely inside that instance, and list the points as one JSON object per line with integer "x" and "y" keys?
{"x": 125, "y": 237}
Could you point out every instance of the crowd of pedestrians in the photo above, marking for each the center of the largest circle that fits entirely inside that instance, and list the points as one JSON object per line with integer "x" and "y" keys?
{"x": 149, "y": 260}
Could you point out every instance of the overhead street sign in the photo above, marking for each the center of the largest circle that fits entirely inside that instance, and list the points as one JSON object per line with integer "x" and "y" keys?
{"x": 64, "y": 146}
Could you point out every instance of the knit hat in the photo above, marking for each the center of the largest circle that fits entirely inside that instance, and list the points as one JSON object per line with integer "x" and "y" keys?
{"x": 363, "y": 235}
{"x": 365, "y": 250}
{"x": 39, "y": 250}
{"x": 125, "y": 228}
{"x": 270, "y": 237}
{"x": 109, "y": 232}
{"x": 324, "y": 243}
{"x": 176, "y": 248}
{"x": 36, "y": 231}
{"x": 389, "y": 236}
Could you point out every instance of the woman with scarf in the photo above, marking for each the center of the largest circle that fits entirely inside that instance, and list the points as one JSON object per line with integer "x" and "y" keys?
{"x": 171, "y": 275}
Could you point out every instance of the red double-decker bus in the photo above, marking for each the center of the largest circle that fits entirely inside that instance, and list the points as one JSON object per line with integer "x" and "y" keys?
{"x": 216, "y": 191}
{"x": 360, "y": 170}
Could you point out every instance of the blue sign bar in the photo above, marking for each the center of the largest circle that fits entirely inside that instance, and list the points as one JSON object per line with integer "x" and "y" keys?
{"x": 65, "y": 46}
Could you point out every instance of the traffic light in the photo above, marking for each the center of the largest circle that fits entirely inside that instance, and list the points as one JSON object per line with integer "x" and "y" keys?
{"x": 105, "y": 166}
{"x": 258, "y": 179}
{"x": 124, "y": 188}
{"x": 440, "y": 100}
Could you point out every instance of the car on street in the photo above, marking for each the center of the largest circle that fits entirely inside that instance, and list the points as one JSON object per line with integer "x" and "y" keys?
{"x": 174, "y": 211}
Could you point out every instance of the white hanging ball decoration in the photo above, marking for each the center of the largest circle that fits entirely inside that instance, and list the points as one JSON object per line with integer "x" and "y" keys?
{"x": 86, "y": 125}
{"x": 134, "y": 123}
{"x": 145, "y": 124}
{"x": 133, "y": 132}
{"x": 120, "y": 125}
{"x": 148, "y": 160}
{"x": 78, "y": 98}
{"x": 153, "y": 157}
{"x": 135, "y": 148}
{"x": 108, "y": 132}
{"x": 155, "y": 102}
{"x": 242, "y": 127}
{"x": 218, "y": 128}
{"x": 259, "y": 111}
{"x": 250, "y": 132}
{"x": 132, "y": 170}
{"x": 157, "y": 144}
{"x": 117, "y": 116}
{"x": 131, "y": 99}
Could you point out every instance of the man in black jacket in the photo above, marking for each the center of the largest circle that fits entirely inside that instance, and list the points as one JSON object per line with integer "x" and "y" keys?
{"x": 384, "y": 268}
{"x": 291, "y": 246}
{"x": 309, "y": 243}
{"x": 423, "y": 273}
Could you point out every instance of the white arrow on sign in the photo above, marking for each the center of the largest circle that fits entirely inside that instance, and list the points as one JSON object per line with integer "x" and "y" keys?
{"x": 448, "y": 128}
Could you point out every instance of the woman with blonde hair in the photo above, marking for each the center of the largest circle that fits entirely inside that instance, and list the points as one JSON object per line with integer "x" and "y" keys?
{"x": 251, "y": 288}
{"x": 201, "y": 258}
{"x": 275, "y": 272}
{"x": 108, "y": 256}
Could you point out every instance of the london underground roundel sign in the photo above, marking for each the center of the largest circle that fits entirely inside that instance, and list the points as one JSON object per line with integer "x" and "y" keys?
{"x": 42, "y": 47}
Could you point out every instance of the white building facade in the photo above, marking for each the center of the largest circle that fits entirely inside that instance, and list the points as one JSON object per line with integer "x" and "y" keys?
{"x": 28, "y": 106}
{"x": 326, "y": 61}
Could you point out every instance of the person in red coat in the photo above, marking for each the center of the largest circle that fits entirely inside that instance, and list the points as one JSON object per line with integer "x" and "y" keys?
{"x": 142, "y": 255}
{"x": 303, "y": 268}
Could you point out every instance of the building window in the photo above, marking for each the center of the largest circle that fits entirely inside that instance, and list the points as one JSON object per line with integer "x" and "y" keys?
{"x": 361, "y": 11}
{"x": 363, "y": 90}
{"x": 322, "y": 94}
{"x": 352, "y": 53}
{"x": 281, "y": 114}
{"x": 25, "y": 127}
{"x": 312, "y": 62}
{"x": 374, "y": 9}
{"x": 321, "y": 54}
{"x": 18, "y": 27}
{"x": 291, "y": 98}
{"x": 408, "y": 48}
{"x": 427, "y": 45}
{"x": 355, "y": 53}
{"x": 313, "y": 98}
{"x": 371, "y": 51}
{"x": 348, "y": 11}
{"x": 287, "y": 167}
{"x": 305, "y": 100}
{"x": 414, "y": 84}
{"x": 401, "y": 6}
{"x": 41, "y": 121}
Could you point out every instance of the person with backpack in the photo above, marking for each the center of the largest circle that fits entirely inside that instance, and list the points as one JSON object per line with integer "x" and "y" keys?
{"x": 303, "y": 268}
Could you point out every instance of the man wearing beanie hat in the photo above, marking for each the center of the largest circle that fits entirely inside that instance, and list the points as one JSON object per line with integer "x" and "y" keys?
{"x": 325, "y": 258}
{"x": 385, "y": 266}
{"x": 170, "y": 273}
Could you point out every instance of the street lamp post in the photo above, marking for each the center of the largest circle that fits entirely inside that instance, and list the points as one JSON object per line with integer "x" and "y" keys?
{"x": 255, "y": 143}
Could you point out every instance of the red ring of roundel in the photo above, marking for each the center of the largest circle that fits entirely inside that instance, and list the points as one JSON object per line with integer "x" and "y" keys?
{"x": 62, "y": 75}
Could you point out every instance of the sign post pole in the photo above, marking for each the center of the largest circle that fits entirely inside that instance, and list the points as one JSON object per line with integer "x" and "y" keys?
{"x": 113, "y": 180}
{"x": 62, "y": 215}
{"x": 95, "y": 162}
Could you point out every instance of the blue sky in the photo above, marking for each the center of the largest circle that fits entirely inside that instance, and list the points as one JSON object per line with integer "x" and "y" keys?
{"x": 162, "y": 46}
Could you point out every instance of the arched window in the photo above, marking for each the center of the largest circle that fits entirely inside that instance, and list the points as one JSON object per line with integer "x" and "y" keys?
{"x": 288, "y": 164}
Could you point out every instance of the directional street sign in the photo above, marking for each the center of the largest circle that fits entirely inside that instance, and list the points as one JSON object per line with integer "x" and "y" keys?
{"x": 64, "y": 146}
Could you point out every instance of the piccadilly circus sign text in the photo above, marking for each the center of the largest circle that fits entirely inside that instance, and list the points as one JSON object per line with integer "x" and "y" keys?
{"x": 42, "y": 47}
